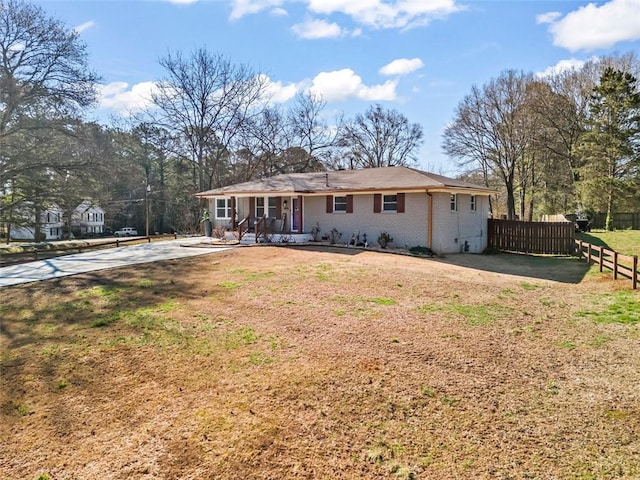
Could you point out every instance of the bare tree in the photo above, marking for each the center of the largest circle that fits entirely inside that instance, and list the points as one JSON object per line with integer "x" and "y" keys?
{"x": 310, "y": 133}
{"x": 490, "y": 130}
{"x": 206, "y": 101}
{"x": 380, "y": 138}
{"x": 45, "y": 83}
{"x": 42, "y": 64}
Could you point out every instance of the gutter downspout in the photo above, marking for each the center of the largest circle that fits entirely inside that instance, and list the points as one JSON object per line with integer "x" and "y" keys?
{"x": 430, "y": 220}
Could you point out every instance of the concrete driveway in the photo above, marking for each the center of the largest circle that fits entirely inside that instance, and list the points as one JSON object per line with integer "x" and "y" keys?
{"x": 102, "y": 259}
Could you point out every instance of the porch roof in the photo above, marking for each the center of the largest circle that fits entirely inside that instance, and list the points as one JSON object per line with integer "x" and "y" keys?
{"x": 349, "y": 181}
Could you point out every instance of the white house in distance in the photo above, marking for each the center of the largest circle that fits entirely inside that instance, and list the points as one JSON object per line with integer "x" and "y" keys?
{"x": 51, "y": 224}
{"x": 86, "y": 219}
{"x": 416, "y": 208}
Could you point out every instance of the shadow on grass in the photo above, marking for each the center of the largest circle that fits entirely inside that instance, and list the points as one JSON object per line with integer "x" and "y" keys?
{"x": 82, "y": 301}
{"x": 73, "y": 316}
{"x": 558, "y": 269}
{"x": 593, "y": 240}
{"x": 562, "y": 269}
{"x": 341, "y": 249}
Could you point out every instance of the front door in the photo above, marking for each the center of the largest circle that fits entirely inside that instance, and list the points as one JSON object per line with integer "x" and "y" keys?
{"x": 294, "y": 214}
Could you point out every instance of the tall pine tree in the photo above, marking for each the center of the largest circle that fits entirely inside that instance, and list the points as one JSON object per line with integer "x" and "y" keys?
{"x": 610, "y": 147}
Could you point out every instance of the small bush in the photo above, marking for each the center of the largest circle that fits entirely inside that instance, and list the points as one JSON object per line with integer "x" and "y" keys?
{"x": 334, "y": 236}
{"x": 315, "y": 232}
{"x": 384, "y": 239}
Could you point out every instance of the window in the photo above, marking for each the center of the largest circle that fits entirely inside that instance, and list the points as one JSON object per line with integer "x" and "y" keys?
{"x": 340, "y": 204}
{"x": 266, "y": 206}
{"x": 223, "y": 208}
{"x": 473, "y": 205}
{"x": 454, "y": 202}
{"x": 389, "y": 203}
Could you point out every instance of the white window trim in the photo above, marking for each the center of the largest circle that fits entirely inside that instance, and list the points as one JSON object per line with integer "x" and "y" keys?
{"x": 335, "y": 210}
{"x": 227, "y": 208}
{"x": 267, "y": 206}
{"x": 453, "y": 202}
{"x": 395, "y": 210}
{"x": 473, "y": 203}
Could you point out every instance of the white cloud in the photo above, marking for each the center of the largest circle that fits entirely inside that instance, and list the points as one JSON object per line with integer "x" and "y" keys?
{"x": 85, "y": 26}
{"x": 402, "y": 66}
{"x": 248, "y": 7}
{"x": 278, "y": 92}
{"x": 314, "y": 29}
{"x": 548, "y": 17}
{"x": 370, "y": 13}
{"x": 562, "y": 66}
{"x": 279, "y": 12}
{"x": 591, "y": 27}
{"x": 380, "y": 14}
{"x": 117, "y": 96}
{"x": 341, "y": 85}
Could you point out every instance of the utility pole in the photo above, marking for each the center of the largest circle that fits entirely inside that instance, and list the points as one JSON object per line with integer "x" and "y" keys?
{"x": 147, "y": 191}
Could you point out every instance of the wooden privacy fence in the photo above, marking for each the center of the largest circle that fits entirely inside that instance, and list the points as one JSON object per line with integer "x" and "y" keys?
{"x": 621, "y": 221}
{"x": 625, "y": 265}
{"x": 551, "y": 238}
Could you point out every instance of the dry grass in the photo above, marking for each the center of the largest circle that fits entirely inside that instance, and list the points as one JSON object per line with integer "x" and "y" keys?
{"x": 292, "y": 363}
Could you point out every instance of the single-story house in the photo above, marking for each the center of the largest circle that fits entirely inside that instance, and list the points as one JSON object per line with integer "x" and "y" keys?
{"x": 414, "y": 207}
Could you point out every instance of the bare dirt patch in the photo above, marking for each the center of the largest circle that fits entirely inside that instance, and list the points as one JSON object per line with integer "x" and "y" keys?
{"x": 295, "y": 363}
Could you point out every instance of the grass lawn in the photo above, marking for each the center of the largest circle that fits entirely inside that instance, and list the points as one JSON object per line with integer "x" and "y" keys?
{"x": 626, "y": 242}
{"x": 294, "y": 363}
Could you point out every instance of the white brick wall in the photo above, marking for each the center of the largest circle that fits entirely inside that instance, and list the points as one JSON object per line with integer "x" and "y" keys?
{"x": 452, "y": 229}
{"x": 409, "y": 229}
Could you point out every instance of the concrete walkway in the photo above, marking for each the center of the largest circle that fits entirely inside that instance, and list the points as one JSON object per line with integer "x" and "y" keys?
{"x": 102, "y": 259}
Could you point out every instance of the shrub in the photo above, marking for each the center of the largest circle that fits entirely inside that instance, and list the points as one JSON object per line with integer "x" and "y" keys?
{"x": 384, "y": 239}
{"x": 334, "y": 236}
{"x": 315, "y": 232}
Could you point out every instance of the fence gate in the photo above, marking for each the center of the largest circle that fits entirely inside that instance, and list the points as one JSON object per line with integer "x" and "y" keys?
{"x": 532, "y": 237}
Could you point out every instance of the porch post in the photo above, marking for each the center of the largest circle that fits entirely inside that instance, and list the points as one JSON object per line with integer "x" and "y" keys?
{"x": 300, "y": 216}
{"x": 429, "y": 220}
{"x": 233, "y": 213}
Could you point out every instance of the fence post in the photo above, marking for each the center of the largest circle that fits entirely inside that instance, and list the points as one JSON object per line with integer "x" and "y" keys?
{"x": 148, "y": 239}
{"x": 634, "y": 273}
{"x": 589, "y": 253}
{"x": 615, "y": 265}
{"x": 601, "y": 259}
{"x": 117, "y": 242}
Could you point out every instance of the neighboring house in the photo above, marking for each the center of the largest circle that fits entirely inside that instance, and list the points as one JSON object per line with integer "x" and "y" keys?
{"x": 87, "y": 219}
{"x": 416, "y": 208}
{"x": 51, "y": 224}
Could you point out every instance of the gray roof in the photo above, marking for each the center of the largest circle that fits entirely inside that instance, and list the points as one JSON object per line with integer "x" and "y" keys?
{"x": 345, "y": 181}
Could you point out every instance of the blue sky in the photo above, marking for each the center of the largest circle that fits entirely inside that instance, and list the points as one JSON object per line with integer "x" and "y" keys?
{"x": 419, "y": 57}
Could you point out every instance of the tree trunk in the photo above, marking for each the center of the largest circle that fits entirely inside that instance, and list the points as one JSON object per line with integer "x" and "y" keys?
{"x": 511, "y": 201}
{"x": 609, "y": 221}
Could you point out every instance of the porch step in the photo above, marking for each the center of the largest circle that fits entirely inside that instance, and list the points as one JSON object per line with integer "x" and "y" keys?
{"x": 250, "y": 238}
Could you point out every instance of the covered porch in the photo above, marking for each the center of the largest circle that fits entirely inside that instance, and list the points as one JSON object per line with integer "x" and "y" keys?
{"x": 258, "y": 214}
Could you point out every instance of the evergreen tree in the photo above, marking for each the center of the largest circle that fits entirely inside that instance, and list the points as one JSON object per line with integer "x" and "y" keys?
{"x": 610, "y": 147}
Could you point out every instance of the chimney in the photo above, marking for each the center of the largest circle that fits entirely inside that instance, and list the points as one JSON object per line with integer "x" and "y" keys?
{"x": 326, "y": 179}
